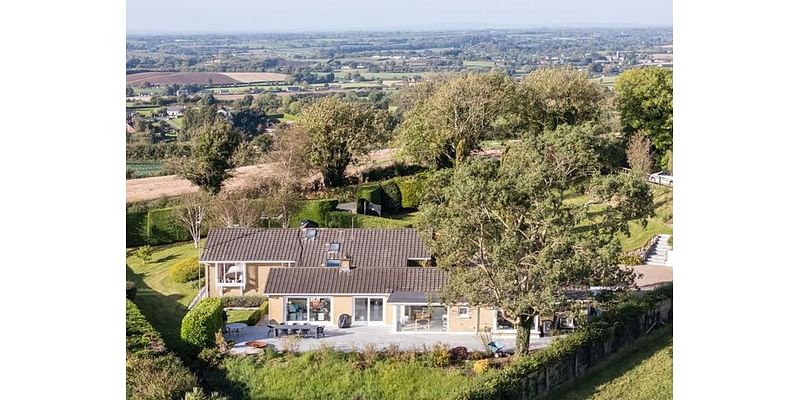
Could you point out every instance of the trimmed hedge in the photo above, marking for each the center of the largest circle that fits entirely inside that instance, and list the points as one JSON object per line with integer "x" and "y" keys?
{"x": 531, "y": 376}
{"x": 314, "y": 210}
{"x": 371, "y": 192}
{"x": 344, "y": 219}
{"x": 412, "y": 189}
{"x": 201, "y": 323}
{"x": 256, "y": 316}
{"x": 186, "y": 270}
{"x": 243, "y": 301}
{"x": 391, "y": 198}
{"x": 140, "y": 337}
{"x": 136, "y": 228}
{"x": 130, "y": 290}
{"x": 163, "y": 228}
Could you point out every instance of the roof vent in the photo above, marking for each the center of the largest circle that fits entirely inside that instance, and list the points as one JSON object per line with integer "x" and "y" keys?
{"x": 311, "y": 233}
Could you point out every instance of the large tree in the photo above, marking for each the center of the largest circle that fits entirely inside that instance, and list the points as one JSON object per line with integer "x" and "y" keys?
{"x": 644, "y": 101}
{"x": 340, "y": 133}
{"x": 512, "y": 236}
{"x": 213, "y": 148}
{"x": 557, "y": 96}
{"x": 449, "y": 119}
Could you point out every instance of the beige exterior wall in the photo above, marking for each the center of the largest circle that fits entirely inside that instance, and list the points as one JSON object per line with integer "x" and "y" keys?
{"x": 457, "y": 324}
{"x": 342, "y": 305}
{"x": 486, "y": 319}
{"x": 388, "y": 313}
{"x": 276, "y": 308}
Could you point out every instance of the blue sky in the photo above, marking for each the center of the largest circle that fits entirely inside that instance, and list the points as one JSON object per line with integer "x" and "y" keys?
{"x": 231, "y": 16}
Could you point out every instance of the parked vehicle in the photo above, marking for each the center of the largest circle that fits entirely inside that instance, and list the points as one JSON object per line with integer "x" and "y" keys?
{"x": 661, "y": 178}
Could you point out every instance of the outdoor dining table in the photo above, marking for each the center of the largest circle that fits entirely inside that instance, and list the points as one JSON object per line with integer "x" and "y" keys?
{"x": 303, "y": 328}
{"x": 236, "y": 327}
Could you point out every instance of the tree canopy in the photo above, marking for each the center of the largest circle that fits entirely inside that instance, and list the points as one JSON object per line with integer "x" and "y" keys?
{"x": 448, "y": 119}
{"x": 644, "y": 101}
{"x": 510, "y": 236}
{"x": 340, "y": 132}
{"x": 212, "y": 156}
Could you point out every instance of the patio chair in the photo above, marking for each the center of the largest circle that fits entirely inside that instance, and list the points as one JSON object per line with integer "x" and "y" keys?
{"x": 320, "y": 331}
{"x": 271, "y": 330}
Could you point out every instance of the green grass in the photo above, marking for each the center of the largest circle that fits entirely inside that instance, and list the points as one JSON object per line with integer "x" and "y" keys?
{"x": 642, "y": 371}
{"x": 335, "y": 375}
{"x": 238, "y": 315}
{"x": 479, "y": 64}
{"x": 162, "y": 301}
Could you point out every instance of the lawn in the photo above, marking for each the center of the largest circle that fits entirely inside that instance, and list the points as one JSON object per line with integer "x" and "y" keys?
{"x": 238, "y": 315}
{"x": 162, "y": 301}
{"x": 642, "y": 371}
{"x": 337, "y": 375}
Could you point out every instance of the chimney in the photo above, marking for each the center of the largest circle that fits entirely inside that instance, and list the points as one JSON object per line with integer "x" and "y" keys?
{"x": 345, "y": 264}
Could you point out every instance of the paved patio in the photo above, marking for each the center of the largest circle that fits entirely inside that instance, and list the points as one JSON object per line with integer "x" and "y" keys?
{"x": 359, "y": 336}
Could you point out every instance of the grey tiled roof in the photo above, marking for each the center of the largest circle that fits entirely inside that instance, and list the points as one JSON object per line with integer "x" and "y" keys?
{"x": 379, "y": 248}
{"x": 359, "y": 280}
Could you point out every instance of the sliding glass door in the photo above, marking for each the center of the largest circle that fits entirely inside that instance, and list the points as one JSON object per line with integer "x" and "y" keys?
{"x": 368, "y": 310}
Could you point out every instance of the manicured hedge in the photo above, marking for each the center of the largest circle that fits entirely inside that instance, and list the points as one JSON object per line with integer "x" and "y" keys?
{"x": 136, "y": 228}
{"x": 256, "y": 316}
{"x": 370, "y": 192}
{"x": 130, "y": 290}
{"x": 243, "y": 301}
{"x": 411, "y": 190}
{"x": 314, "y": 210}
{"x": 201, "y": 323}
{"x": 140, "y": 337}
{"x": 186, "y": 270}
{"x": 391, "y": 198}
{"x": 344, "y": 219}
{"x": 163, "y": 228}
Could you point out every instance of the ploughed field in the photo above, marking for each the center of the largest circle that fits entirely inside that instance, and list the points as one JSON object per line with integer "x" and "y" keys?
{"x": 200, "y": 78}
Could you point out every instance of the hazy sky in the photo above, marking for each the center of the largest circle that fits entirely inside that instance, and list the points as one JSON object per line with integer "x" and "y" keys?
{"x": 207, "y": 16}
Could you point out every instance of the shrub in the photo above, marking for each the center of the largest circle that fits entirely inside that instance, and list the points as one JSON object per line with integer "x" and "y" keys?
{"x": 162, "y": 377}
{"x": 290, "y": 343}
{"x": 130, "y": 290}
{"x": 439, "y": 357}
{"x": 135, "y": 228}
{"x": 243, "y": 301}
{"x": 481, "y": 366}
{"x": 459, "y": 353}
{"x": 391, "y": 198}
{"x": 144, "y": 254}
{"x": 186, "y": 270}
{"x": 163, "y": 228}
{"x": 630, "y": 259}
{"x": 140, "y": 337}
{"x": 370, "y": 192}
{"x": 411, "y": 190}
{"x": 314, "y": 210}
{"x": 201, "y": 323}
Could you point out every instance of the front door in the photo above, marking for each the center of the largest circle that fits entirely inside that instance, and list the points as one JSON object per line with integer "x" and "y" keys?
{"x": 368, "y": 311}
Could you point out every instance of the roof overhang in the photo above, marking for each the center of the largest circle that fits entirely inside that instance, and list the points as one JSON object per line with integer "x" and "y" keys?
{"x": 413, "y": 298}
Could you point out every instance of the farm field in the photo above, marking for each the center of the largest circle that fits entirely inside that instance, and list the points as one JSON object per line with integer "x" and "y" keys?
{"x": 641, "y": 372}
{"x": 248, "y": 77}
{"x": 180, "y": 78}
{"x": 162, "y": 301}
{"x": 144, "y": 168}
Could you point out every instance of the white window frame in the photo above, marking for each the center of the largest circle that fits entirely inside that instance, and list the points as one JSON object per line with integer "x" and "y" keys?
{"x": 308, "y": 309}
{"x": 220, "y": 267}
{"x": 466, "y": 315}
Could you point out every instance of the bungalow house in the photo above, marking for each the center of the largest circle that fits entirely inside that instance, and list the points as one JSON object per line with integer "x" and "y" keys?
{"x": 175, "y": 111}
{"x": 382, "y": 277}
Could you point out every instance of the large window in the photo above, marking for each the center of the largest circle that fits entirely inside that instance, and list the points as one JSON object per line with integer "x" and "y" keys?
{"x": 368, "y": 310}
{"x": 297, "y": 309}
{"x": 504, "y": 323}
{"x": 230, "y": 274}
{"x": 308, "y": 309}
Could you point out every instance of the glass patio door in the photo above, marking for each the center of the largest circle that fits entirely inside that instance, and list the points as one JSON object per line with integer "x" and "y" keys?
{"x": 368, "y": 310}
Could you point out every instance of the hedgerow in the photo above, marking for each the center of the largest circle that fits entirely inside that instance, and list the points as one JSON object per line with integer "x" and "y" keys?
{"x": 201, "y": 323}
{"x": 186, "y": 270}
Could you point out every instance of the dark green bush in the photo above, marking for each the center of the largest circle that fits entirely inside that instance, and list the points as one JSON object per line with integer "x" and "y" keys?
{"x": 186, "y": 270}
{"x": 370, "y": 192}
{"x": 243, "y": 301}
{"x": 157, "y": 378}
{"x": 140, "y": 337}
{"x": 135, "y": 228}
{"x": 130, "y": 290}
{"x": 201, "y": 323}
{"x": 258, "y": 314}
{"x": 314, "y": 210}
{"x": 391, "y": 199}
{"x": 411, "y": 189}
{"x": 163, "y": 228}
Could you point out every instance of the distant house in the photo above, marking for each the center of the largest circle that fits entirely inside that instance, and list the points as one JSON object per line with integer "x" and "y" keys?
{"x": 182, "y": 92}
{"x": 292, "y": 88}
{"x": 225, "y": 113}
{"x": 175, "y": 111}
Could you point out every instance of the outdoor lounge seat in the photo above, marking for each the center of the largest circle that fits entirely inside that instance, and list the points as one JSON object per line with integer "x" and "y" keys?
{"x": 271, "y": 330}
{"x": 320, "y": 332}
